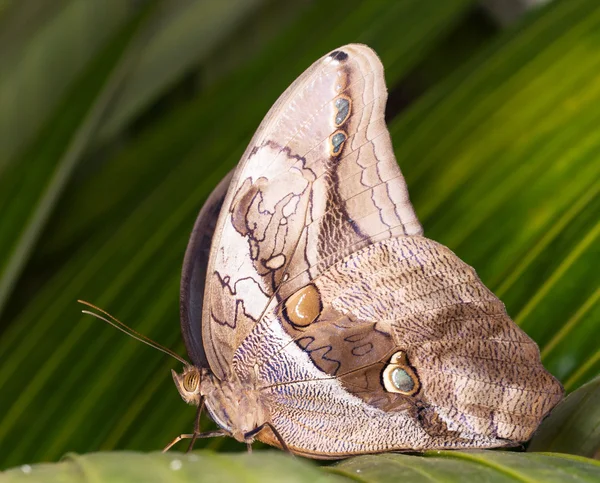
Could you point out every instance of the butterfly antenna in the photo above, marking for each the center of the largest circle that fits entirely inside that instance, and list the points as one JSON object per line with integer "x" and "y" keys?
{"x": 116, "y": 323}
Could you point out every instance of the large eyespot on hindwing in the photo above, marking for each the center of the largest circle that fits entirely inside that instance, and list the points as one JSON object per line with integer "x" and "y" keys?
{"x": 303, "y": 307}
{"x": 399, "y": 377}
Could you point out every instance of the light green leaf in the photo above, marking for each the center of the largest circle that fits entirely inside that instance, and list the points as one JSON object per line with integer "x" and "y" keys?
{"x": 265, "y": 466}
{"x": 503, "y": 162}
{"x": 457, "y": 466}
{"x": 174, "y": 467}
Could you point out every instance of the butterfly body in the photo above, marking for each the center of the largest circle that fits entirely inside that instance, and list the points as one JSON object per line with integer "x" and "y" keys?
{"x": 323, "y": 320}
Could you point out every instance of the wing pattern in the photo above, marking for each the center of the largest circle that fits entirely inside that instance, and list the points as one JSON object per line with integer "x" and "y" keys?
{"x": 318, "y": 182}
{"x": 319, "y": 279}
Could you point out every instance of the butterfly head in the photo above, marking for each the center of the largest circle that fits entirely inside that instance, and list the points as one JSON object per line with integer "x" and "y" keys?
{"x": 188, "y": 384}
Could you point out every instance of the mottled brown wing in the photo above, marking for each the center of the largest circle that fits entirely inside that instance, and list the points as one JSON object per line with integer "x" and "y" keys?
{"x": 478, "y": 377}
{"x": 318, "y": 182}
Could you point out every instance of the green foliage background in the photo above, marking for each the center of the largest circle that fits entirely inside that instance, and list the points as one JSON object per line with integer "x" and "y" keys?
{"x": 118, "y": 118}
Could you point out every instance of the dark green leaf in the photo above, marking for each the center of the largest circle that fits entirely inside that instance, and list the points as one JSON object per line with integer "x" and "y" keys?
{"x": 44, "y": 47}
{"x": 456, "y": 466}
{"x": 30, "y": 186}
{"x": 574, "y": 425}
{"x": 187, "y": 33}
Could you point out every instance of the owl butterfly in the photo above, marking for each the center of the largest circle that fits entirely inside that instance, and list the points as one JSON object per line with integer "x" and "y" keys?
{"x": 322, "y": 320}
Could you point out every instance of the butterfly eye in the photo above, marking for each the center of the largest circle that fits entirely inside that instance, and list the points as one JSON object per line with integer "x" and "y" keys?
{"x": 302, "y": 308}
{"x": 191, "y": 381}
{"x": 399, "y": 377}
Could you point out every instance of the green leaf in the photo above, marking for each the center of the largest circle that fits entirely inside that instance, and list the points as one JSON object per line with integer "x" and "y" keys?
{"x": 187, "y": 34}
{"x": 441, "y": 466}
{"x": 574, "y": 425}
{"x": 174, "y": 467}
{"x": 502, "y": 162}
{"x": 450, "y": 466}
{"x": 30, "y": 186}
{"x": 44, "y": 47}
{"x": 203, "y": 127}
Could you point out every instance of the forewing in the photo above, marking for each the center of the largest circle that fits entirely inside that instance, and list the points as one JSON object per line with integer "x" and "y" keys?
{"x": 318, "y": 181}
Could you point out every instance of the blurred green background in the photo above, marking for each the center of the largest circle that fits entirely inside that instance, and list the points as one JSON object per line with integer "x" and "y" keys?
{"x": 117, "y": 118}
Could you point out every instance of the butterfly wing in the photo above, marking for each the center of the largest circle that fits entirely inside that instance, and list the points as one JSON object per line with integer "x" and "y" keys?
{"x": 478, "y": 377}
{"x": 320, "y": 281}
{"x": 318, "y": 181}
{"x": 193, "y": 275}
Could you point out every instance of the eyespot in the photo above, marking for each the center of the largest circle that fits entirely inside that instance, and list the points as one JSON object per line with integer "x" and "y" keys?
{"x": 337, "y": 141}
{"x": 399, "y": 377}
{"x": 303, "y": 307}
{"x": 342, "y": 105}
{"x": 402, "y": 380}
{"x": 191, "y": 381}
{"x": 339, "y": 55}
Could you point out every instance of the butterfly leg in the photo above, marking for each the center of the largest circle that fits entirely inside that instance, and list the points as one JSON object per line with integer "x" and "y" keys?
{"x": 258, "y": 429}
{"x": 196, "y": 425}
{"x": 249, "y": 447}
{"x": 284, "y": 446}
{"x": 208, "y": 434}
{"x": 177, "y": 440}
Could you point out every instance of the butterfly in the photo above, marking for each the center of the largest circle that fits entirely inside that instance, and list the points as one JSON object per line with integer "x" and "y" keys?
{"x": 317, "y": 316}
